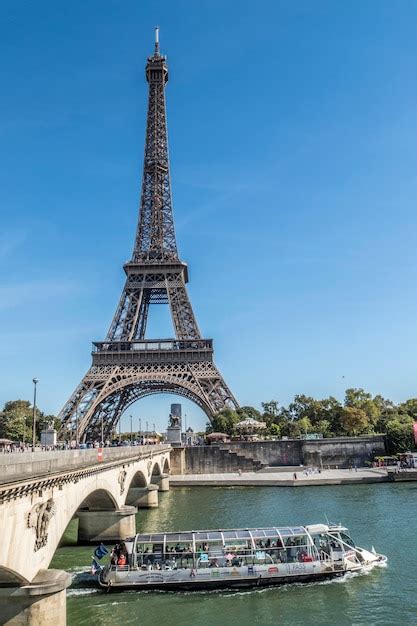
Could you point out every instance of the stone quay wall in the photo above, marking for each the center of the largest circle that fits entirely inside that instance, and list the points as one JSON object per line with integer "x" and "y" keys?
{"x": 341, "y": 452}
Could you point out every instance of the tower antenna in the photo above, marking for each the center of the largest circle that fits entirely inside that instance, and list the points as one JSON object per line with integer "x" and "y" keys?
{"x": 157, "y": 40}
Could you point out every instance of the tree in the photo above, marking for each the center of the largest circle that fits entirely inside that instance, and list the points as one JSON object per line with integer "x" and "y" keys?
{"x": 399, "y": 433}
{"x": 274, "y": 430}
{"x": 225, "y": 421}
{"x": 324, "y": 427}
{"x": 354, "y": 421}
{"x": 271, "y": 408}
{"x": 249, "y": 411}
{"x": 45, "y": 421}
{"x": 360, "y": 399}
{"x": 16, "y": 421}
{"x": 409, "y": 407}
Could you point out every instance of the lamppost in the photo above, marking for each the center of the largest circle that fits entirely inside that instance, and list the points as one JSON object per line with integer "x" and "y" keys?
{"x": 140, "y": 430}
{"x": 147, "y": 431}
{"x": 131, "y": 430}
{"x": 102, "y": 432}
{"x": 76, "y": 422}
{"x": 35, "y": 382}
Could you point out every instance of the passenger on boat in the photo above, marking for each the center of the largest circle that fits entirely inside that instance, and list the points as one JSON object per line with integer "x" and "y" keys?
{"x": 122, "y": 560}
{"x": 115, "y": 553}
{"x": 214, "y": 563}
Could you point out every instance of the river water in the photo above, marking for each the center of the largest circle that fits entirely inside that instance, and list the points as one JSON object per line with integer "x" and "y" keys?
{"x": 382, "y": 515}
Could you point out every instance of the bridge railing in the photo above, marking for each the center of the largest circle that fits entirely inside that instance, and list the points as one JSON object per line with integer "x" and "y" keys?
{"x": 21, "y": 465}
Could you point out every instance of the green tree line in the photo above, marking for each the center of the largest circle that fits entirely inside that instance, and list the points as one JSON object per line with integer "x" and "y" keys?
{"x": 359, "y": 414}
{"x": 16, "y": 421}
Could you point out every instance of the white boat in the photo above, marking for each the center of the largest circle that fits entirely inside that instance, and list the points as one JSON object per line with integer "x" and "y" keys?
{"x": 240, "y": 558}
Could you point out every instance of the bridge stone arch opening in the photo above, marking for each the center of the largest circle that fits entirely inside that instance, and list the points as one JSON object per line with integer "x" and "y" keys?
{"x": 99, "y": 500}
{"x": 138, "y": 480}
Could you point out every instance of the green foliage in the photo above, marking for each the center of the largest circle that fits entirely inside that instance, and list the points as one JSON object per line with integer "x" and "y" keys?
{"x": 399, "y": 433}
{"x": 354, "y": 421}
{"x": 249, "y": 411}
{"x": 16, "y": 421}
{"x": 275, "y": 430}
{"x": 225, "y": 421}
{"x": 359, "y": 414}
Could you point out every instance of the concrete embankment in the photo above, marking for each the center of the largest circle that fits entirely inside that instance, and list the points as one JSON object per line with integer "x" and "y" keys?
{"x": 281, "y": 479}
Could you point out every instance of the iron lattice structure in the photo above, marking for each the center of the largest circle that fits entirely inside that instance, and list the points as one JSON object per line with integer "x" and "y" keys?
{"x": 126, "y": 366}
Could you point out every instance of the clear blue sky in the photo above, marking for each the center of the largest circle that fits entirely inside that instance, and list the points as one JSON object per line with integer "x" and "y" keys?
{"x": 294, "y": 158}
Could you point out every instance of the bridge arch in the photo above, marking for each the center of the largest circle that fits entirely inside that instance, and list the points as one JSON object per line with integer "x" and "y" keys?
{"x": 99, "y": 500}
{"x": 11, "y": 578}
{"x": 138, "y": 480}
{"x": 166, "y": 469}
{"x": 156, "y": 469}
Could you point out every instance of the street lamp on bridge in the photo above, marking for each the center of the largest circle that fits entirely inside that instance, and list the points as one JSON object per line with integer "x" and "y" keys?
{"x": 35, "y": 382}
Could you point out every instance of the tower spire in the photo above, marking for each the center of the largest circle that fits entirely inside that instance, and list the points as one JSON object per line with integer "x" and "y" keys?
{"x": 155, "y": 236}
{"x": 157, "y": 41}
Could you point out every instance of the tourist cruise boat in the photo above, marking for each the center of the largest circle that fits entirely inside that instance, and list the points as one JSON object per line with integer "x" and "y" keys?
{"x": 243, "y": 558}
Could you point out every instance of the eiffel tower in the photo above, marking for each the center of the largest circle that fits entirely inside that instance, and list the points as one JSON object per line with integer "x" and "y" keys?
{"x": 126, "y": 366}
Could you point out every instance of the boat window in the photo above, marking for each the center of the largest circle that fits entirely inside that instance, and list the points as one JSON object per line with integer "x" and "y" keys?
{"x": 286, "y": 532}
{"x": 347, "y": 539}
{"x": 229, "y": 534}
{"x": 157, "y": 538}
{"x": 256, "y": 534}
{"x": 158, "y": 547}
{"x": 144, "y": 538}
{"x": 217, "y": 536}
{"x": 186, "y": 537}
{"x": 243, "y": 534}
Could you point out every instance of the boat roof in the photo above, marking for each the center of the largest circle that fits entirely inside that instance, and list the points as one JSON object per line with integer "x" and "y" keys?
{"x": 271, "y": 532}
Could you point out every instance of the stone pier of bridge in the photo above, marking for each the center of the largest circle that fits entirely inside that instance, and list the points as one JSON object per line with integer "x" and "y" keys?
{"x": 41, "y": 492}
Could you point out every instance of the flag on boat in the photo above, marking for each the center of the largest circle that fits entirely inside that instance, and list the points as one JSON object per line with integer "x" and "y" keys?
{"x": 100, "y": 551}
{"x": 415, "y": 432}
{"x": 95, "y": 567}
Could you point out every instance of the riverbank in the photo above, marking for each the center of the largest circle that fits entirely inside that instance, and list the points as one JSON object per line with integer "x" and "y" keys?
{"x": 282, "y": 479}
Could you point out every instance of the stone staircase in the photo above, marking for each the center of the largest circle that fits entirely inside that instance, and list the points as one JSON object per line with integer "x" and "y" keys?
{"x": 246, "y": 461}
{"x": 219, "y": 459}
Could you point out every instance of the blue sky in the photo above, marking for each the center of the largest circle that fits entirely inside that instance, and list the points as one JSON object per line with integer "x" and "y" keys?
{"x": 293, "y": 153}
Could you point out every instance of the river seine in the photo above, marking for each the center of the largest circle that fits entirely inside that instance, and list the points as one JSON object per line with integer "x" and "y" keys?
{"x": 381, "y": 515}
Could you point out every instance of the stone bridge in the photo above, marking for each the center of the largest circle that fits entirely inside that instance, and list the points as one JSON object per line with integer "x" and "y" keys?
{"x": 39, "y": 495}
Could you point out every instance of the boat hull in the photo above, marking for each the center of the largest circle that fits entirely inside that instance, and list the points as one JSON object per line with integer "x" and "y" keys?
{"x": 216, "y": 583}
